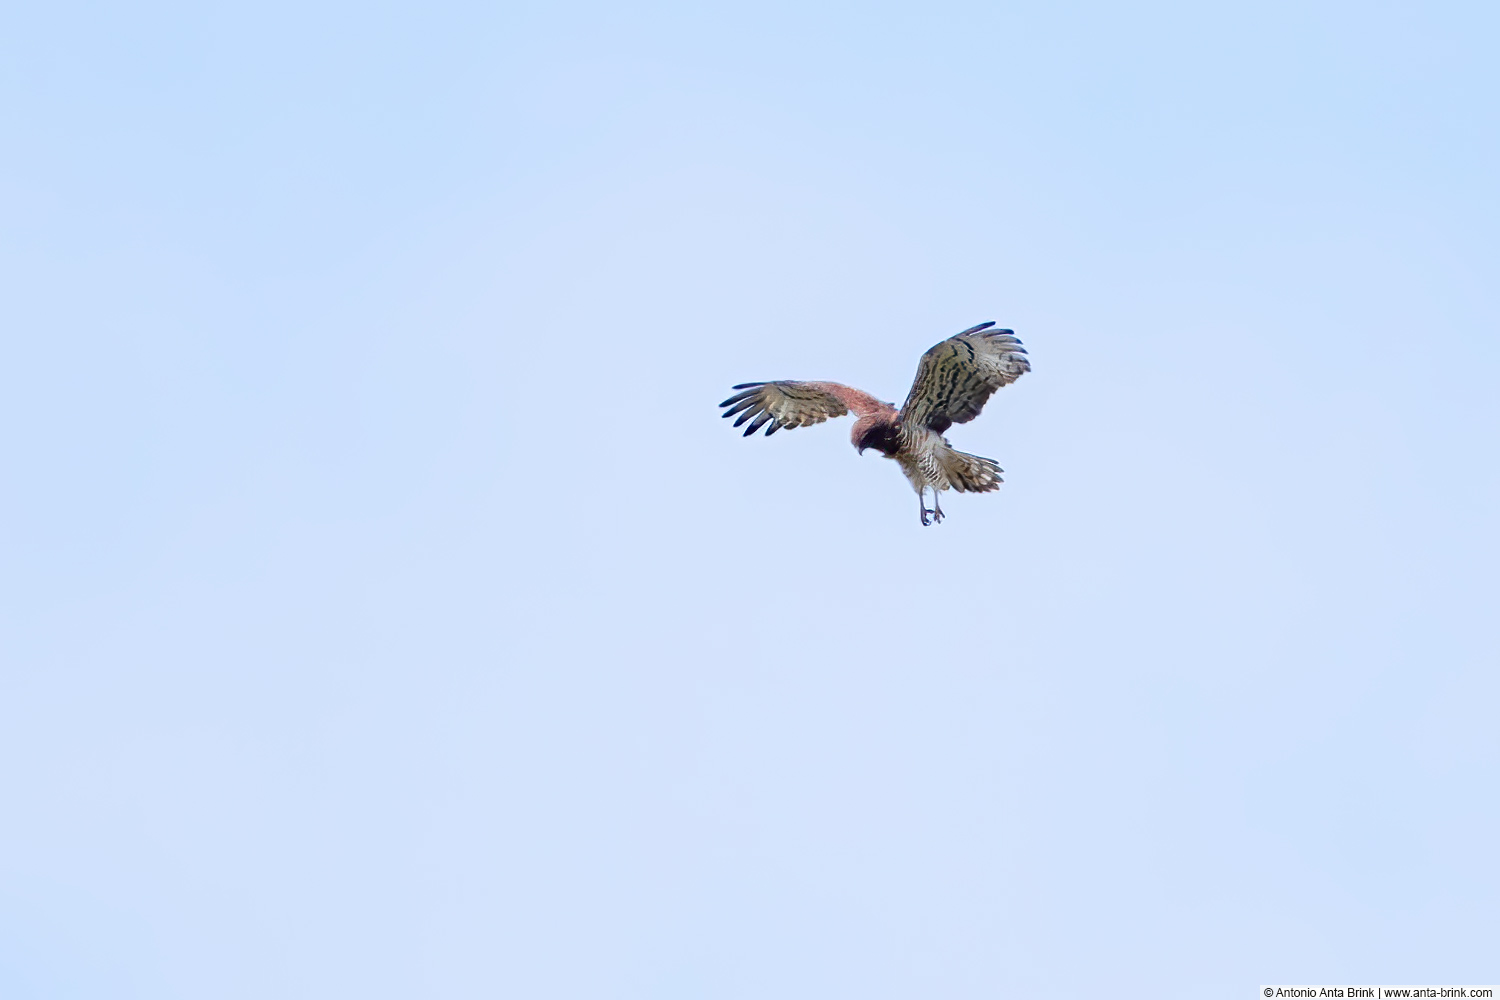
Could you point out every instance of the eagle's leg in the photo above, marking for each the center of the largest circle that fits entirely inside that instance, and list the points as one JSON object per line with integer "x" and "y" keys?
{"x": 922, "y": 502}
{"x": 937, "y": 508}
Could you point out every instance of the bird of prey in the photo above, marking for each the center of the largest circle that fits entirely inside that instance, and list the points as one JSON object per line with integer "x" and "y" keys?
{"x": 954, "y": 380}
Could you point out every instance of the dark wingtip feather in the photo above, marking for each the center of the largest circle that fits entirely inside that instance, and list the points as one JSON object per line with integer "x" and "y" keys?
{"x": 772, "y": 429}
{"x": 976, "y": 329}
{"x": 748, "y": 385}
{"x": 741, "y": 402}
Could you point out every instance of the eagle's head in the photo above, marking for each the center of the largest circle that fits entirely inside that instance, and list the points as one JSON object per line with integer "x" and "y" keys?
{"x": 878, "y": 431}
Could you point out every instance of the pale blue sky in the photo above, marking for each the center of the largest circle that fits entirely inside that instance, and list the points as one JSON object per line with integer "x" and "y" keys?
{"x": 387, "y": 612}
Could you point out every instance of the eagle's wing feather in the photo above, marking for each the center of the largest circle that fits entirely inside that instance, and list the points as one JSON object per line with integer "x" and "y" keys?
{"x": 796, "y": 404}
{"x": 957, "y": 377}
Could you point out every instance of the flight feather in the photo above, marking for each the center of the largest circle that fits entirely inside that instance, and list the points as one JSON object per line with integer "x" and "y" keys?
{"x": 796, "y": 404}
{"x": 956, "y": 377}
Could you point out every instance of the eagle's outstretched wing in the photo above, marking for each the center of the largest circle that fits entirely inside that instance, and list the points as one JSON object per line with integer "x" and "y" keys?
{"x": 797, "y": 404}
{"x": 957, "y": 377}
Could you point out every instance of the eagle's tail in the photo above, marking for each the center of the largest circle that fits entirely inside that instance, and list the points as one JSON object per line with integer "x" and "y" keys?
{"x": 970, "y": 473}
